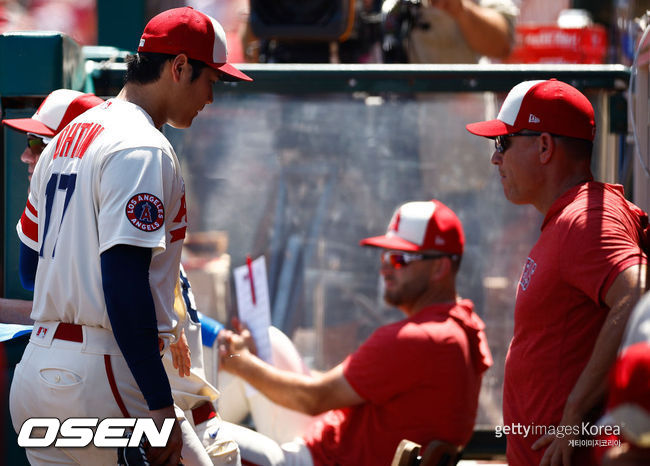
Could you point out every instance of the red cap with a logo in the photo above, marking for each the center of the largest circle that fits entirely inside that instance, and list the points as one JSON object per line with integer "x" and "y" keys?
{"x": 186, "y": 30}
{"x": 422, "y": 226}
{"x": 55, "y": 112}
{"x": 544, "y": 106}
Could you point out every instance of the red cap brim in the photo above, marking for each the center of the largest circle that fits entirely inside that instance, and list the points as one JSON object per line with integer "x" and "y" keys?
{"x": 390, "y": 242}
{"x": 489, "y": 129}
{"x": 232, "y": 72}
{"x": 29, "y": 125}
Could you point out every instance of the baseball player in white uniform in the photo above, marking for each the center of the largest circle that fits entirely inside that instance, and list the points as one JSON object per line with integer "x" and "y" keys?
{"x": 104, "y": 223}
{"x": 190, "y": 389}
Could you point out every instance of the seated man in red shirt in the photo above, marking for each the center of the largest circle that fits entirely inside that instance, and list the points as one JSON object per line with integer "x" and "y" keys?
{"x": 418, "y": 378}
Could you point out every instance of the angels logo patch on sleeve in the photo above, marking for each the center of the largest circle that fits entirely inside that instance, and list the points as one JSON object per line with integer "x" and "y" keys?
{"x": 145, "y": 212}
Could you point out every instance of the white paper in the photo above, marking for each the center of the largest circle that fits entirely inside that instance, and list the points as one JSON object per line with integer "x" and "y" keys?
{"x": 256, "y": 315}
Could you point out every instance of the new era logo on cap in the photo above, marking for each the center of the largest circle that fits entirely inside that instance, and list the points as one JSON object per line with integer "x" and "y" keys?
{"x": 57, "y": 110}
{"x": 186, "y": 30}
{"x": 547, "y": 106}
{"x": 422, "y": 226}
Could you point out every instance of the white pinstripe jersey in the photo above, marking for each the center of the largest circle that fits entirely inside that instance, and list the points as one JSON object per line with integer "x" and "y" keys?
{"x": 110, "y": 177}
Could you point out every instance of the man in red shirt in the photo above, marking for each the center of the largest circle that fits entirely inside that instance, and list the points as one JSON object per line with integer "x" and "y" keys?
{"x": 580, "y": 281}
{"x": 418, "y": 378}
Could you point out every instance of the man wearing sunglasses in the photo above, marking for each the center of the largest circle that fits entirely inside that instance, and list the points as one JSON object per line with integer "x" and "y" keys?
{"x": 579, "y": 282}
{"x": 55, "y": 112}
{"x": 418, "y": 378}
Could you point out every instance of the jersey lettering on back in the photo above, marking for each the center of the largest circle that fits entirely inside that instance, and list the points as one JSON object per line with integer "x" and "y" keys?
{"x": 75, "y": 139}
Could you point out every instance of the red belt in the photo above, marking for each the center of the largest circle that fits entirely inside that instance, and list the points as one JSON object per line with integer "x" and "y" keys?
{"x": 73, "y": 332}
{"x": 203, "y": 412}
{"x": 69, "y": 332}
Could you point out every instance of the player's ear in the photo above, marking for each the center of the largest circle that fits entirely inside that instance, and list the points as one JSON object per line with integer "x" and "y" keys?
{"x": 546, "y": 146}
{"x": 441, "y": 268}
{"x": 179, "y": 63}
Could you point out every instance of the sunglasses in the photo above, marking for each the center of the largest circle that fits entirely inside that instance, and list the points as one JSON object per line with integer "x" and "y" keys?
{"x": 399, "y": 259}
{"x": 501, "y": 142}
{"x": 35, "y": 143}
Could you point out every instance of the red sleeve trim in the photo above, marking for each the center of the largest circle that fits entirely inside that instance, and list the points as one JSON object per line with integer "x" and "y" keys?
{"x": 31, "y": 209}
{"x": 29, "y": 227}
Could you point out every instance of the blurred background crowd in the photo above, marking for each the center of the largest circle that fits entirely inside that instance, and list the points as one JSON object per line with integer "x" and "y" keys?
{"x": 374, "y": 31}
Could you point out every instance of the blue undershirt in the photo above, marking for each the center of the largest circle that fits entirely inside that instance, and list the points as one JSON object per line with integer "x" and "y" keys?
{"x": 130, "y": 307}
{"x": 27, "y": 263}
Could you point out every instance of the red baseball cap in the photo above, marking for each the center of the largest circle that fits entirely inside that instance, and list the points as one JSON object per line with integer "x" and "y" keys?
{"x": 422, "y": 226}
{"x": 55, "y": 112}
{"x": 186, "y": 30}
{"x": 546, "y": 106}
{"x": 629, "y": 395}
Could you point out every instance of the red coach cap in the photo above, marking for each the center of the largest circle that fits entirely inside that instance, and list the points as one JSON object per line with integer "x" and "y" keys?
{"x": 422, "y": 226}
{"x": 186, "y": 30}
{"x": 546, "y": 106}
{"x": 629, "y": 395}
{"x": 55, "y": 112}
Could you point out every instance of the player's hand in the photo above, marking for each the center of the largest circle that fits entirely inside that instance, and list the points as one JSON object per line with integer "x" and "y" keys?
{"x": 170, "y": 455}
{"x": 181, "y": 355}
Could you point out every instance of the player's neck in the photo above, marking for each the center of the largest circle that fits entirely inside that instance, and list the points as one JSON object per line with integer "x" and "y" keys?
{"x": 560, "y": 186}
{"x": 145, "y": 96}
{"x": 430, "y": 298}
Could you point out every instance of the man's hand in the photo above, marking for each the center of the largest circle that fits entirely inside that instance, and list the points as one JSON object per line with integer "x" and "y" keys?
{"x": 181, "y": 355}
{"x": 169, "y": 455}
{"x": 235, "y": 347}
{"x": 243, "y": 331}
{"x": 559, "y": 450}
{"x": 233, "y": 351}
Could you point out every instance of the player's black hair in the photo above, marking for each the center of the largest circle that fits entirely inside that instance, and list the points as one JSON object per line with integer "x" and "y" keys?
{"x": 146, "y": 67}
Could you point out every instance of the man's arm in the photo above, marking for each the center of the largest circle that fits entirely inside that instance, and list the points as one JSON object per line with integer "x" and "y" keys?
{"x": 27, "y": 264}
{"x": 591, "y": 387}
{"x": 486, "y": 30}
{"x": 131, "y": 311}
{"x": 308, "y": 394}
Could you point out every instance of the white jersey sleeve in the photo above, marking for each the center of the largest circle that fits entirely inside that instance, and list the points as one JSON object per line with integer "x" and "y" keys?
{"x": 132, "y": 199}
